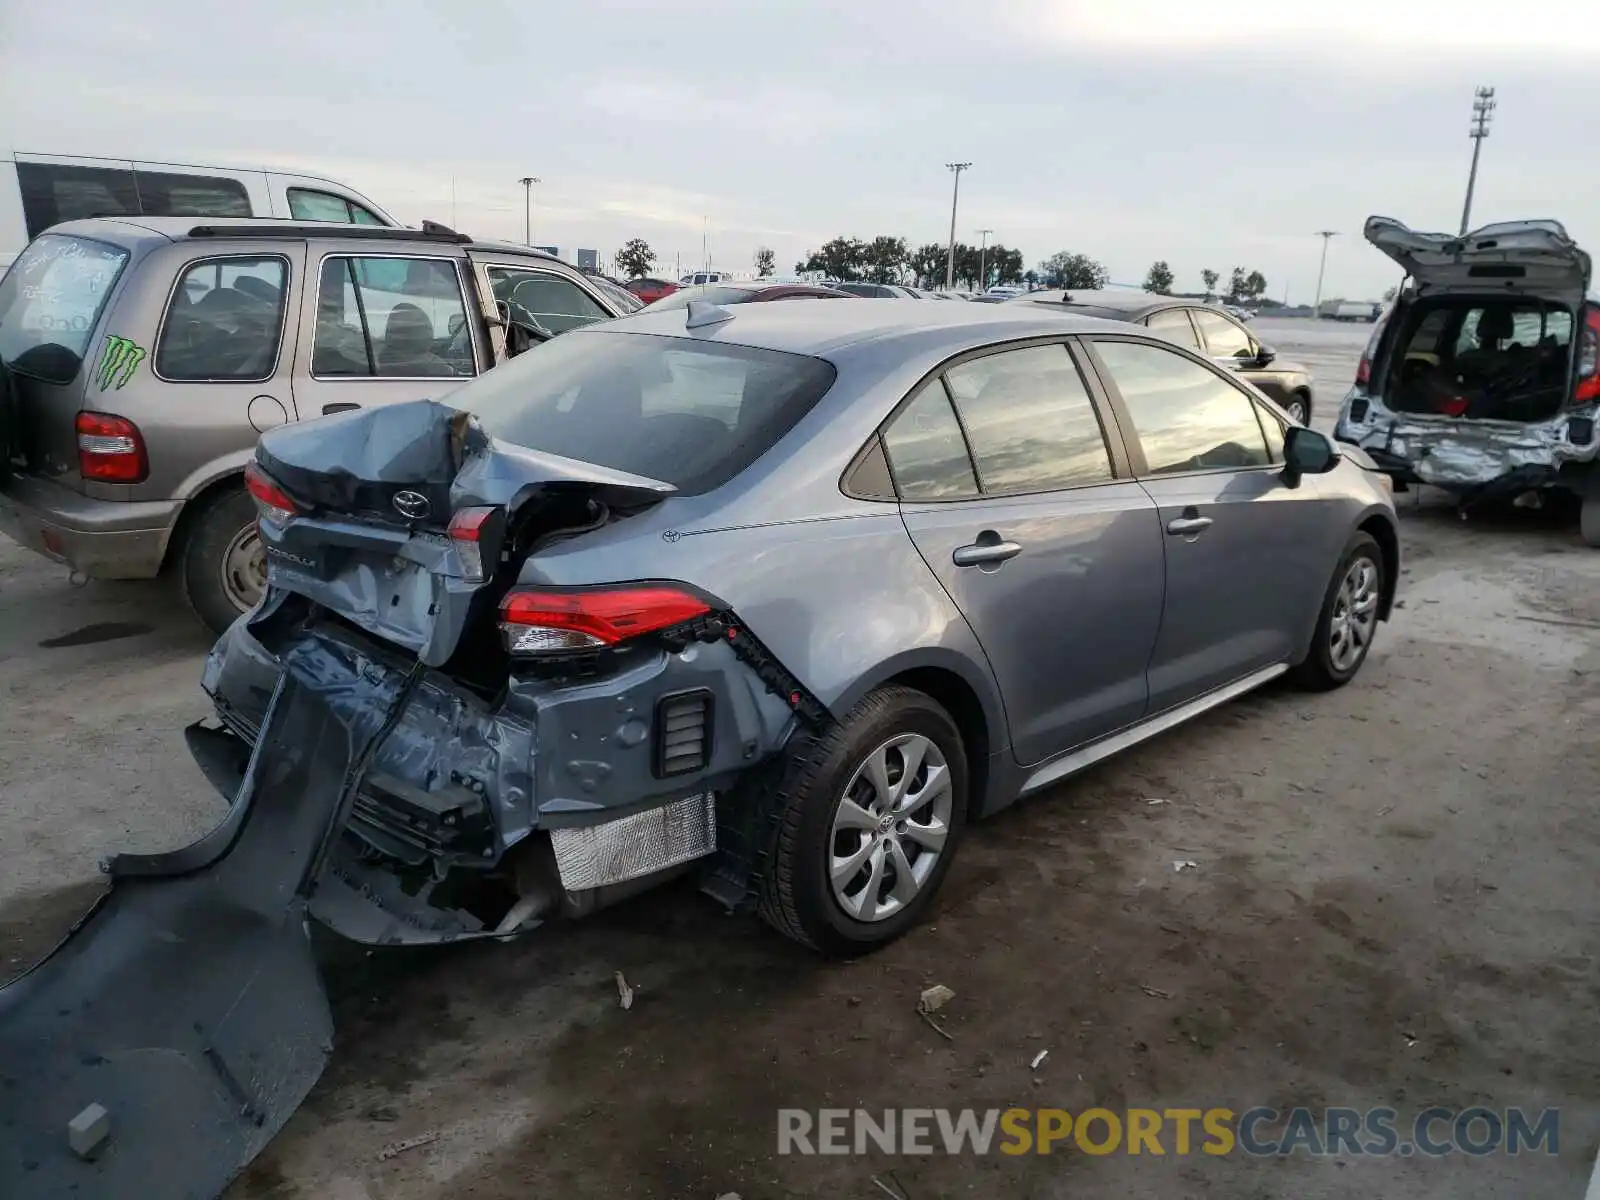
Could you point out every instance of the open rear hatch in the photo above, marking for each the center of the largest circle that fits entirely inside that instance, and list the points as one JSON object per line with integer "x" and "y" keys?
{"x": 1526, "y": 256}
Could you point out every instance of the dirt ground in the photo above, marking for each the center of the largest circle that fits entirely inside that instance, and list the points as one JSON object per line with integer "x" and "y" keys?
{"x": 1393, "y": 903}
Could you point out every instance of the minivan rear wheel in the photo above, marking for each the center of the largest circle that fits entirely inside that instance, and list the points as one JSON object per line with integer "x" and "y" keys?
{"x": 224, "y": 566}
{"x": 870, "y": 815}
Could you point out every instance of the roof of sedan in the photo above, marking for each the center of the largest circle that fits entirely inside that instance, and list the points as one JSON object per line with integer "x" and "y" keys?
{"x": 1108, "y": 298}
{"x": 818, "y": 327}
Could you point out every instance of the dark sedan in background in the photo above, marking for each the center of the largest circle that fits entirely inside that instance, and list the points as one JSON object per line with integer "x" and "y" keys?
{"x": 1194, "y": 325}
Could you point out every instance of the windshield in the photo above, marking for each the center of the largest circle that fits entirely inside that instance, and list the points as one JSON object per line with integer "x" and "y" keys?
{"x": 621, "y": 297}
{"x": 50, "y": 302}
{"x": 686, "y": 412}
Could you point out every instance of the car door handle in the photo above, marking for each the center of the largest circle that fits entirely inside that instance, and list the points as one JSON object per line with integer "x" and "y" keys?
{"x": 1186, "y": 525}
{"x": 329, "y": 409}
{"x": 981, "y": 553}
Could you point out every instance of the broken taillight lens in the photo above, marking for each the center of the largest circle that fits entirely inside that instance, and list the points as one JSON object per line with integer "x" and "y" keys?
{"x": 110, "y": 449}
{"x": 272, "y": 502}
{"x": 467, "y": 530}
{"x": 538, "y": 621}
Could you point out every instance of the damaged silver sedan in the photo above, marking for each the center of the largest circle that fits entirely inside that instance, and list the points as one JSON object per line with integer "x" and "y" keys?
{"x": 782, "y": 595}
{"x": 1484, "y": 379}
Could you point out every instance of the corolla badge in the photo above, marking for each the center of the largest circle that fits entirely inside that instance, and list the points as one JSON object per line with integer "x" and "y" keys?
{"x": 412, "y": 504}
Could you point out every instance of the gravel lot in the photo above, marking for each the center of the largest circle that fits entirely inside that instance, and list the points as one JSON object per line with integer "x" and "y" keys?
{"x": 1393, "y": 904}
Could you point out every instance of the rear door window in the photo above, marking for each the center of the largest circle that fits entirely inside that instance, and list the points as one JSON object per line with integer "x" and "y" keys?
{"x": 555, "y": 303}
{"x": 50, "y": 302}
{"x": 686, "y": 412}
{"x": 1030, "y": 422}
{"x": 392, "y": 318}
{"x": 225, "y": 321}
{"x": 1174, "y": 325}
{"x": 927, "y": 451}
{"x": 1185, "y": 415}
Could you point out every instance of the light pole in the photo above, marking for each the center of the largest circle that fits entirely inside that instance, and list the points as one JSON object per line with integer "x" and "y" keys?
{"x": 950, "y": 258}
{"x": 1316, "y": 305}
{"x": 1482, "y": 106}
{"x": 527, "y": 182}
{"x": 983, "y": 251}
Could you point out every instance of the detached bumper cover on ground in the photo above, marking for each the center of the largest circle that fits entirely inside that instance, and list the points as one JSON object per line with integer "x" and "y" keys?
{"x": 187, "y": 1003}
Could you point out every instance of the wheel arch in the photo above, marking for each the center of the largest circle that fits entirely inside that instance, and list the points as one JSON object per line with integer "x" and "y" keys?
{"x": 192, "y": 508}
{"x": 1383, "y": 531}
{"x": 962, "y": 688}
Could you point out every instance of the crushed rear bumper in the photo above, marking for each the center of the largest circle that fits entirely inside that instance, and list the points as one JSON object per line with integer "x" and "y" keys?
{"x": 187, "y": 1003}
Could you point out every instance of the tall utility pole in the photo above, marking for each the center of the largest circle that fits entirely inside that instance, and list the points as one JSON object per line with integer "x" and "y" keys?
{"x": 983, "y": 251}
{"x": 1325, "y": 235}
{"x": 950, "y": 258}
{"x": 527, "y": 182}
{"x": 1482, "y": 106}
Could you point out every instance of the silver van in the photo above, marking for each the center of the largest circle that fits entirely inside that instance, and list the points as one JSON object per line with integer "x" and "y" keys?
{"x": 41, "y": 190}
{"x": 142, "y": 357}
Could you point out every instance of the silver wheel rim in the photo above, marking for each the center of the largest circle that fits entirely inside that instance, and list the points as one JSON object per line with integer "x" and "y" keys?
{"x": 244, "y": 569}
{"x": 890, "y": 828}
{"x": 1355, "y": 615}
{"x": 1297, "y": 410}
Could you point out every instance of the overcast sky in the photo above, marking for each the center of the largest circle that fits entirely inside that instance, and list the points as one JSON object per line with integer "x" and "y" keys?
{"x": 1206, "y": 134}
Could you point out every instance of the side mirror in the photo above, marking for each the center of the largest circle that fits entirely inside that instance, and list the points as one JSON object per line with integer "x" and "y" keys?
{"x": 1307, "y": 452}
{"x": 1265, "y": 355}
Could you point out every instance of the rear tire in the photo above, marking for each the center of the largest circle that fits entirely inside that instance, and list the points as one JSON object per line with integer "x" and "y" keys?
{"x": 1589, "y": 513}
{"x": 808, "y": 891}
{"x": 1348, "y": 621}
{"x": 223, "y": 568}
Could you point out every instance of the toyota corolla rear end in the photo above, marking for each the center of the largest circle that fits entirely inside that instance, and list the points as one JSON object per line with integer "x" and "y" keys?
{"x": 557, "y": 747}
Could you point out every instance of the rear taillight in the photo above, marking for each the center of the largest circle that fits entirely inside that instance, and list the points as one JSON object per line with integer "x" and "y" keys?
{"x": 536, "y": 621}
{"x": 272, "y": 502}
{"x": 468, "y": 530}
{"x": 110, "y": 449}
{"x": 1364, "y": 367}
{"x": 1588, "y": 389}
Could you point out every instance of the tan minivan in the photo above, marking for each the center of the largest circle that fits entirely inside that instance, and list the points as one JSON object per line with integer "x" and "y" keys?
{"x": 143, "y": 356}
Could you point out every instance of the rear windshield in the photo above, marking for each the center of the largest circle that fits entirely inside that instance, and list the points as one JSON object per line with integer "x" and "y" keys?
{"x": 716, "y": 293}
{"x": 50, "y": 302}
{"x": 686, "y": 412}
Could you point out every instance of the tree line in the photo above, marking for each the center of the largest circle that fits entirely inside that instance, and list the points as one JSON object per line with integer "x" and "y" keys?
{"x": 889, "y": 259}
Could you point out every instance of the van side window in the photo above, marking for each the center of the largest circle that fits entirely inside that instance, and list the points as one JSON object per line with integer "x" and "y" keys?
{"x": 224, "y": 322}
{"x": 394, "y": 318}
{"x": 52, "y": 194}
{"x": 162, "y": 194}
{"x": 306, "y": 204}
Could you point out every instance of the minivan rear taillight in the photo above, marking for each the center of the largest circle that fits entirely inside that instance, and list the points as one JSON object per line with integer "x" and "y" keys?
{"x": 542, "y": 621}
{"x": 110, "y": 449}
{"x": 272, "y": 502}
{"x": 1364, "y": 367}
{"x": 1588, "y": 389}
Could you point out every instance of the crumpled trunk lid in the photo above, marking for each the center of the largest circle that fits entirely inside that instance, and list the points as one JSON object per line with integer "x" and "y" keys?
{"x": 1536, "y": 257}
{"x": 377, "y": 489}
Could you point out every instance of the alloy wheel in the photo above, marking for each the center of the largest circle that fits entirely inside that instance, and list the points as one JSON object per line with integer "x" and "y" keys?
{"x": 890, "y": 827}
{"x": 1355, "y": 615}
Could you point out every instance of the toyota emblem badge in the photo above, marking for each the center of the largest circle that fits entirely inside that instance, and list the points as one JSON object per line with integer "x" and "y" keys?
{"x": 412, "y": 504}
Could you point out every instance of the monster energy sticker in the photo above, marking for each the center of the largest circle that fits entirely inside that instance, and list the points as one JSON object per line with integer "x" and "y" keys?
{"x": 118, "y": 363}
